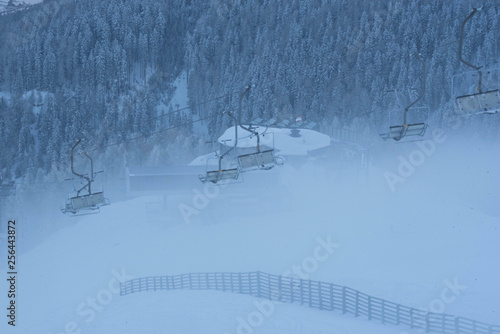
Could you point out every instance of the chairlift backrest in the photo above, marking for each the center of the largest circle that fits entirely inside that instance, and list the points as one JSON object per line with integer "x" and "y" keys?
{"x": 397, "y": 132}
{"x": 221, "y": 175}
{"x": 96, "y": 199}
{"x": 257, "y": 160}
{"x": 88, "y": 201}
{"x": 488, "y": 102}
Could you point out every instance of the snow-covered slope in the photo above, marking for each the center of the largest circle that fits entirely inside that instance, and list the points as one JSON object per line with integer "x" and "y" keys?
{"x": 440, "y": 226}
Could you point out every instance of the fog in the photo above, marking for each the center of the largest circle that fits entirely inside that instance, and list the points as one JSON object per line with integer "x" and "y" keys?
{"x": 423, "y": 214}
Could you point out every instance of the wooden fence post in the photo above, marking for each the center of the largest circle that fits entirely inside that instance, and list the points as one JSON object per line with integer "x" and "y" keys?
{"x": 331, "y": 296}
{"x": 301, "y": 291}
{"x": 258, "y": 284}
{"x": 369, "y": 308}
{"x": 280, "y": 287}
{"x": 320, "y": 296}
{"x": 383, "y": 311}
{"x": 457, "y": 325}
{"x": 344, "y": 300}
{"x": 310, "y": 294}
{"x": 240, "y": 287}
{"x": 356, "y": 312}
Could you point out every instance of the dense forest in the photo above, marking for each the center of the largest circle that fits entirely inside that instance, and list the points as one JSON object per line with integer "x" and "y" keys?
{"x": 99, "y": 70}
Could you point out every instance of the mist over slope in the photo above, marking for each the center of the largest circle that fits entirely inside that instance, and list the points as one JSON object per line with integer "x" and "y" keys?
{"x": 440, "y": 225}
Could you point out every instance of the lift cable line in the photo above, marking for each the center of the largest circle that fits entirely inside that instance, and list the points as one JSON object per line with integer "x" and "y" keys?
{"x": 485, "y": 96}
{"x": 398, "y": 132}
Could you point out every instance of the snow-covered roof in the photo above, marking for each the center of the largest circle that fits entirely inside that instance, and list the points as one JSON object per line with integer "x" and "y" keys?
{"x": 203, "y": 160}
{"x": 284, "y": 143}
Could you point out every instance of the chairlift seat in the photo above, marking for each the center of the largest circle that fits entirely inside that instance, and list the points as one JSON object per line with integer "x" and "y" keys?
{"x": 221, "y": 175}
{"x": 257, "y": 160}
{"x": 86, "y": 202}
{"x": 490, "y": 101}
{"x": 400, "y": 131}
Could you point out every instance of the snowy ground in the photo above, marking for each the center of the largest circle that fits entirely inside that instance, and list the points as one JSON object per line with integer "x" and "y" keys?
{"x": 400, "y": 242}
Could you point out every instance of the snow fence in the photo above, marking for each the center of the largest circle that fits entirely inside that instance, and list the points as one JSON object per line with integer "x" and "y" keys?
{"x": 315, "y": 294}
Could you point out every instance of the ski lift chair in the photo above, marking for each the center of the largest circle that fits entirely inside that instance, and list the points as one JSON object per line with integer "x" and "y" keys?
{"x": 228, "y": 175}
{"x": 89, "y": 203}
{"x": 398, "y": 132}
{"x": 85, "y": 204}
{"x": 485, "y": 97}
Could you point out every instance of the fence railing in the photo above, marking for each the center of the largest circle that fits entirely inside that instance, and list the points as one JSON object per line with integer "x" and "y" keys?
{"x": 314, "y": 294}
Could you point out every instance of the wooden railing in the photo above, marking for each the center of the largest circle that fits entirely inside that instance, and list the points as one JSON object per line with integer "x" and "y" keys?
{"x": 314, "y": 294}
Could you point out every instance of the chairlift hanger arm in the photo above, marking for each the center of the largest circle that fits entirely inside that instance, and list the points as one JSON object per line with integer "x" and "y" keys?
{"x": 89, "y": 179}
{"x": 239, "y": 118}
{"x": 474, "y": 11}
{"x": 241, "y": 99}
{"x": 91, "y": 171}
{"x": 72, "y": 160}
{"x": 423, "y": 87}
